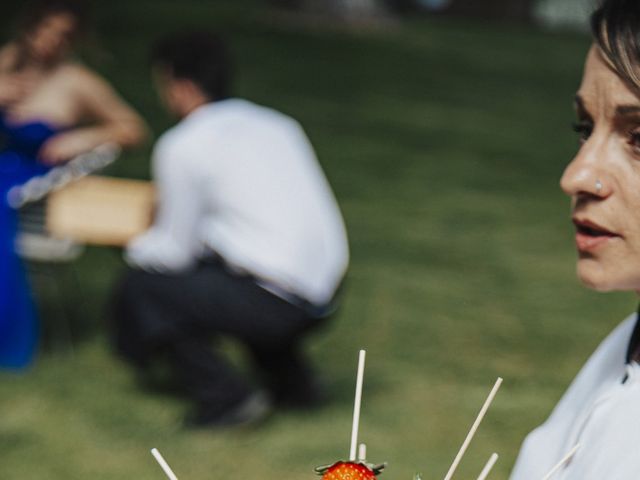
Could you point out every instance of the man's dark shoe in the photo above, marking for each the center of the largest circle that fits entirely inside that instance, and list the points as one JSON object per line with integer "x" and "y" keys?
{"x": 254, "y": 409}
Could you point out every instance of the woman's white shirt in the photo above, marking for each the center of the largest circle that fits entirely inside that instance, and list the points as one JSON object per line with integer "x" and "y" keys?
{"x": 601, "y": 412}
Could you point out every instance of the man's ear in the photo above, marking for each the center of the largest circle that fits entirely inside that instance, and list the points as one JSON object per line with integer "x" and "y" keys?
{"x": 181, "y": 87}
{"x": 193, "y": 90}
{"x": 186, "y": 90}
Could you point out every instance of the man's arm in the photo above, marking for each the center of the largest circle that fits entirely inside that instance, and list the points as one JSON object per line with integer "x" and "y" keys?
{"x": 172, "y": 243}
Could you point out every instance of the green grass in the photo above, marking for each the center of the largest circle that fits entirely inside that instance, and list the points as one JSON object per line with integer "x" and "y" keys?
{"x": 444, "y": 141}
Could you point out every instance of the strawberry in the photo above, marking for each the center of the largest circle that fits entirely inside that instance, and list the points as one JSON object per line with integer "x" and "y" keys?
{"x": 349, "y": 471}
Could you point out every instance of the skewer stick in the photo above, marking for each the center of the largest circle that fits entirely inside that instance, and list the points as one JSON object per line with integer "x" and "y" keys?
{"x": 362, "y": 452}
{"x": 163, "y": 464}
{"x": 487, "y": 468}
{"x": 356, "y": 406}
{"x": 474, "y": 427}
{"x": 564, "y": 460}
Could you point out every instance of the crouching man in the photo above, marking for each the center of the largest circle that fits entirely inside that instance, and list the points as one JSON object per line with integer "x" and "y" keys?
{"x": 248, "y": 243}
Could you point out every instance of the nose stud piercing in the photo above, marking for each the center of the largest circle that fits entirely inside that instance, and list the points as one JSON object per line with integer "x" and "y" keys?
{"x": 598, "y": 186}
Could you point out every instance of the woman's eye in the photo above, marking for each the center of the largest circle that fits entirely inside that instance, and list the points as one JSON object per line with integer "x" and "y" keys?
{"x": 584, "y": 130}
{"x": 634, "y": 140}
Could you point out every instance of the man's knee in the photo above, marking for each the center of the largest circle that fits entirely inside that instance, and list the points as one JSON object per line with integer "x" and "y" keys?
{"x": 133, "y": 286}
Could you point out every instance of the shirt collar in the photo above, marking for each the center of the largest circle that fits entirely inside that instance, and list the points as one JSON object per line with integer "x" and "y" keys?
{"x": 633, "y": 349}
{"x": 207, "y": 108}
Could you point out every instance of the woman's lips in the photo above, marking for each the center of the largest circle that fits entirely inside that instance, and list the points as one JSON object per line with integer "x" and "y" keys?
{"x": 590, "y": 235}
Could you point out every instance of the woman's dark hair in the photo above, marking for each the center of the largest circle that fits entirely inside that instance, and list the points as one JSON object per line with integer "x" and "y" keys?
{"x": 35, "y": 11}
{"x": 616, "y": 30}
{"x": 201, "y": 57}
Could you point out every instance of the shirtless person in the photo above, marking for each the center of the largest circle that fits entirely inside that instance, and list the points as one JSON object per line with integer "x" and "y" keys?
{"x": 51, "y": 109}
{"x": 40, "y": 82}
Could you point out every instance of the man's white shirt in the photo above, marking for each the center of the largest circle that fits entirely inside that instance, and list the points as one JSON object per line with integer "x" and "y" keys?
{"x": 243, "y": 181}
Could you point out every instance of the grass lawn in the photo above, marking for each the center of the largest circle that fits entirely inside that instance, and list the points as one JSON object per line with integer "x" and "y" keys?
{"x": 444, "y": 141}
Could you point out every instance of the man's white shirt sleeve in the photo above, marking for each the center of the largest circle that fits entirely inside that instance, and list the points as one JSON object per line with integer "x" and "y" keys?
{"x": 171, "y": 244}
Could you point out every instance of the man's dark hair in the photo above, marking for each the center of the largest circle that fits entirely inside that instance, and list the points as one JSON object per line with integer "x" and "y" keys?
{"x": 201, "y": 57}
{"x": 616, "y": 30}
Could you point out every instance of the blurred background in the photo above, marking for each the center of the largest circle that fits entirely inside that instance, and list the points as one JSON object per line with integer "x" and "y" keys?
{"x": 443, "y": 127}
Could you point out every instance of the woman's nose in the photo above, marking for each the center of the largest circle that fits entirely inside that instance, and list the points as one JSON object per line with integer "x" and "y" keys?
{"x": 586, "y": 173}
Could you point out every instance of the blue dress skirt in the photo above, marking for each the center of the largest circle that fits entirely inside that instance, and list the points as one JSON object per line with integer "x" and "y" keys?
{"x": 18, "y": 318}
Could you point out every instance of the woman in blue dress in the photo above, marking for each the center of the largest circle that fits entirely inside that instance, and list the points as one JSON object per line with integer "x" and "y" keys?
{"x": 51, "y": 109}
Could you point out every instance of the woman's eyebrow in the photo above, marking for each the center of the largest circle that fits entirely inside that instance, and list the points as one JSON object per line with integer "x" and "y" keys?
{"x": 625, "y": 110}
{"x": 621, "y": 110}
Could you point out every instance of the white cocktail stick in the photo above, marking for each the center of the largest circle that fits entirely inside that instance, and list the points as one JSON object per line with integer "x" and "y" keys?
{"x": 474, "y": 427}
{"x": 564, "y": 460}
{"x": 487, "y": 468}
{"x": 356, "y": 406}
{"x": 362, "y": 452}
{"x": 163, "y": 464}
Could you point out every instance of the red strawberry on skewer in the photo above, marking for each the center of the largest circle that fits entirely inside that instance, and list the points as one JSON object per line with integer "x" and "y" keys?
{"x": 353, "y": 469}
{"x": 349, "y": 471}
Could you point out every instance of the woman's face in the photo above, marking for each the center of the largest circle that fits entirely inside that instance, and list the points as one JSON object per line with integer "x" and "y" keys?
{"x": 603, "y": 180}
{"x": 50, "y": 40}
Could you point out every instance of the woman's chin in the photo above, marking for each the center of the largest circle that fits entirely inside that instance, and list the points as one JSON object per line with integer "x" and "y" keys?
{"x": 600, "y": 279}
{"x": 595, "y": 277}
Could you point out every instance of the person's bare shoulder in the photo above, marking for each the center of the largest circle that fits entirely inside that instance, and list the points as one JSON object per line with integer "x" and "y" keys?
{"x": 81, "y": 76}
{"x": 89, "y": 88}
{"x": 98, "y": 100}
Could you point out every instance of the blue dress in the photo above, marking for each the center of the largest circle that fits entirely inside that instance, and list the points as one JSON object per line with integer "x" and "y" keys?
{"x": 19, "y": 145}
